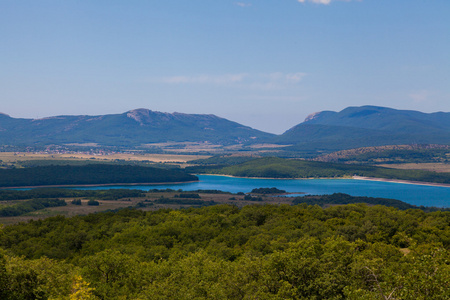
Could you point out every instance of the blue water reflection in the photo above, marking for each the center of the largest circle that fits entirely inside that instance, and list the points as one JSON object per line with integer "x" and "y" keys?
{"x": 410, "y": 193}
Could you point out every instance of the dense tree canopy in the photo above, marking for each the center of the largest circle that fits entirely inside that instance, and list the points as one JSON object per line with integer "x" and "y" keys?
{"x": 89, "y": 174}
{"x": 29, "y": 206}
{"x": 275, "y": 167}
{"x": 221, "y": 252}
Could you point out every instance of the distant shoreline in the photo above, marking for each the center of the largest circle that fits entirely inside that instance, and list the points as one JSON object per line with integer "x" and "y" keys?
{"x": 348, "y": 177}
{"x": 402, "y": 181}
{"x": 92, "y": 185}
{"x": 272, "y": 178}
{"x": 224, "y": 175}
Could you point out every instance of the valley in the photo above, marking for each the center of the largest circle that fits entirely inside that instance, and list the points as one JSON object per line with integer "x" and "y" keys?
{"x": 179, "y": 133}
{"x": 60, "y": 157}
{"x": 225, "y": 150}
{"x": 132, "y": 202}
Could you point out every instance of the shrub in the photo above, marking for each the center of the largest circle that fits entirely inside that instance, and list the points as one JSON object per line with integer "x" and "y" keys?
{"x": 76, "y": 202}
{"x": 93, "y": 203}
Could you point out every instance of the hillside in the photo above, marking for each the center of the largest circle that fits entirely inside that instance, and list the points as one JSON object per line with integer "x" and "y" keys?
{"x": 133, "y": 128}
{"x": 323, "y": 132}
{"x": 273, "y": 167}
{"x": 223, "y": 252}
{"x": 89, "y": 174}
{"x": 366, "y": 126}
{"x": 391, "y": 154}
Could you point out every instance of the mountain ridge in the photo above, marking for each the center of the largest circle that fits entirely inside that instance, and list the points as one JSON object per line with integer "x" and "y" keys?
{"x": 368, "y": 125}
{"x": 353, "y": 127}
{"x": 133, "y": 128}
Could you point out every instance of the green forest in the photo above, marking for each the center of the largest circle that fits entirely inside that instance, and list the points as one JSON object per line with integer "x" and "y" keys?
{"x": 391, "y": 154}
{"x": 274, "y": 167}
{"x": 29, "y": 206}
{"x": 352, "y": 251}
{"x": 110, "y": 194}
{"x": 341, "y": 198}
{"x": 89, "y": 174}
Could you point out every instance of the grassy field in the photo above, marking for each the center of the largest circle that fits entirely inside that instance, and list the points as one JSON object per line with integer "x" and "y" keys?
{"x": 72, "y": 210}
{"x": 12, "y": 157}
{"x": 69, "y": 211}
{"x": 435, "y": 167}
{"x": 187, "y": 147}
{"x": 275, "y": 167}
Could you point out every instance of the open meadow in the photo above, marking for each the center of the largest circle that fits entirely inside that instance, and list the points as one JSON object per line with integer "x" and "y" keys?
{"x": 14, "y": 157}
{"x": 434, "y": 167}
{"x": 152, "y": 201}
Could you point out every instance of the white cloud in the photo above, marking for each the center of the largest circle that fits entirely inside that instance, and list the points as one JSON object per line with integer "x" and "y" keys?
{"x": 215, "y": 79}
{"x": 420, "y": 96}
{"x": 243, "y": 80}
{"x": 274, "y": 98}
{"x": 326, "y": 2}
{"x": 316, "y": 1}
{"x": 276, "y": 80}
{"x": 243, "y": 4}
{"x": 295, "y": 77}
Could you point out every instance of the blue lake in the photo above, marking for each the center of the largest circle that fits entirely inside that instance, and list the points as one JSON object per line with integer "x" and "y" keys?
{"x": 409, "y": 193}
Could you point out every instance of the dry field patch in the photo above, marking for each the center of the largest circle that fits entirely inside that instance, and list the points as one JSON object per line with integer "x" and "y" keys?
{"x": 435, "y": 167}
{"x": 261, "y": 146}
{"x": 10, "y": 157}
{"x": 71, "y": 210}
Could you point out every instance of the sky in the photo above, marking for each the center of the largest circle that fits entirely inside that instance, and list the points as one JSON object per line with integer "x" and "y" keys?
{"x": 263, "y": 63}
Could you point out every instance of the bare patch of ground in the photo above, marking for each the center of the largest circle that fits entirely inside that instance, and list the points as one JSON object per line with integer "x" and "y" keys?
{"x": 10, "y": 157}
{"x": 84, "y": 144}
{"x": 435, "y": 167}
{"x": 147, "y": 202}
{"x": 266, "y": 146}
{"x": 187, "y": 147}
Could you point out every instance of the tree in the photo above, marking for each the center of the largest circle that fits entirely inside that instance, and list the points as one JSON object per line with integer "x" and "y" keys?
{"x": 81, "y": 290}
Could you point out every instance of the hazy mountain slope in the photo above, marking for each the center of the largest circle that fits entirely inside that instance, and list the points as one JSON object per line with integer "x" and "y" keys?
{"x": 131, "y": 128}
{"x": 367, "y": 126}
{"x": 329, "y": 131}
{"x": 383, "y": 118}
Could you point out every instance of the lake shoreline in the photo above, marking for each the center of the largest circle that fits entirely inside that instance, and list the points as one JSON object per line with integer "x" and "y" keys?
{"x": 417, "y": 193}
{"x": 272, "y": 178}
{"x": 231, "y": 176}
{"x": 93, "y": 185}
{"x": 402, "y": 181}
{"x": 348, "y": 177}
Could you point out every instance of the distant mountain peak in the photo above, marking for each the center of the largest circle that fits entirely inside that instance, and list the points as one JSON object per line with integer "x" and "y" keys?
{"x": 133, "y": 128}
{"x": 140, "y": 110}
{"x": 139, "y": 114}
{"x": 317, "y": 116}
{"x": 145, "y": 116}
{"x": 312, "y": 116}
{"x": 49, "y": 118}
{"x": 368, "y": 125}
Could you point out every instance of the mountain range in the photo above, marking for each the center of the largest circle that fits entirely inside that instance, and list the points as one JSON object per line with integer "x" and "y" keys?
{"x": 325, "y": 131}
{"x": 132, "y": 128}
{"x": 366, "y": 126}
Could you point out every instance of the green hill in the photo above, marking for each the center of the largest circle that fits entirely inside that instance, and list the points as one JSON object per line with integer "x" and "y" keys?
{"x": 326, "y": 131}
{"x": 133, "y": 128}
{"x": 89, "y": 174}
{"x": 365, "y": 126}
{"x": 391, "y": 154}
{"x": 273, "y": 167}
{"x": 222, "y": 252}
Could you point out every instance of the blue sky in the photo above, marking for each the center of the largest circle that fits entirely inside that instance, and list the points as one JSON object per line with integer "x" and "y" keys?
{"x": 265, "y": 64}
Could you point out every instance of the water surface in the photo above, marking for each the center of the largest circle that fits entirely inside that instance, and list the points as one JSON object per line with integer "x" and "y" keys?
{"x": 409, "y": 193}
